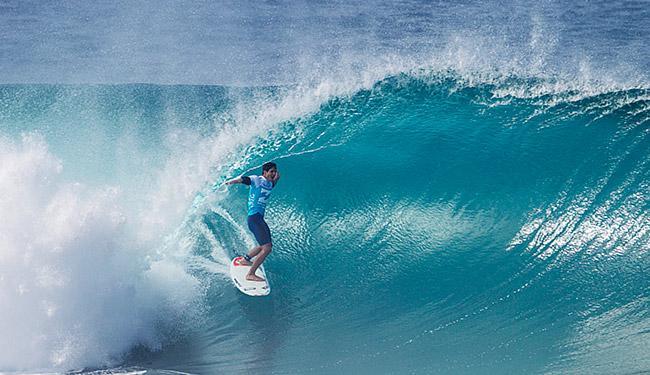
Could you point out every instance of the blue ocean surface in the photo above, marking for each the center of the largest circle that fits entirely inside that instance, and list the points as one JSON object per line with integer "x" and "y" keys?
{"x": 465, "y": 187}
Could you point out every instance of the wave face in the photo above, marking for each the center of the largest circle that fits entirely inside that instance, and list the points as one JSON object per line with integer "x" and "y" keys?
{"x": 443, "y": 227}
{"x": 426, "y": 223}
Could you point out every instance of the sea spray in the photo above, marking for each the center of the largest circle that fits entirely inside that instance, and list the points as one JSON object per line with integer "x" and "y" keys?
{"x": 75, "y": 289}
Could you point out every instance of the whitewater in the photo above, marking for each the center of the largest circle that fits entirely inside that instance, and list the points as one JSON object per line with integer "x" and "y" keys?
{"x": 465, "y": 187}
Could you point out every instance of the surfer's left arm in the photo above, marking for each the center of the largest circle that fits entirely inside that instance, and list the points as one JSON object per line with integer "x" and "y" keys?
{"x": 239, "y": 180}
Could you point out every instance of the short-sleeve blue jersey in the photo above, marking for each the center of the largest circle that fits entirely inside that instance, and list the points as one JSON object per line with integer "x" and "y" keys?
{"x": 259, "y": 194}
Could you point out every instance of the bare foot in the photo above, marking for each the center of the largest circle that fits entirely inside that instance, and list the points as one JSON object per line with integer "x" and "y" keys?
{"x": 243, "y": 262}
{"x": 254, "y": 278}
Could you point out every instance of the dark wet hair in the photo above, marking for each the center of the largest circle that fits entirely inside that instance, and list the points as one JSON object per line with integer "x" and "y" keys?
{"x": 268, "y": 166}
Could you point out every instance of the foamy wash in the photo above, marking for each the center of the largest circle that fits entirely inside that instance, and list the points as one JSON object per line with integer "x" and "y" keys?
{"x": 465, "y": 187}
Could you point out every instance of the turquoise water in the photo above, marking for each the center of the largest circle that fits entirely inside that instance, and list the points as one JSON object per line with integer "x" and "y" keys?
{"x": 465, "y": 186}
{"x": 422, "y": 224}
{"x": 449, "y": 231}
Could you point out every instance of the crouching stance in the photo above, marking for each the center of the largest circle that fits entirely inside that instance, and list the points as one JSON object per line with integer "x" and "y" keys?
{"x": 258, "y": 196}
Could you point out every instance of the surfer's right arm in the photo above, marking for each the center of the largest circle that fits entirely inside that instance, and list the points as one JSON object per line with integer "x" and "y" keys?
{"x": 240, "y": 180}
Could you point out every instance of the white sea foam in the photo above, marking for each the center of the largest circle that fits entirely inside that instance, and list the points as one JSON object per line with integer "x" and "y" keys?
{"x": 75, "y": 289}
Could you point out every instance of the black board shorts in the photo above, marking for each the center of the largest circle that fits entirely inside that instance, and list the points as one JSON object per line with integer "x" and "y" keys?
{"x": 260, "y": 229}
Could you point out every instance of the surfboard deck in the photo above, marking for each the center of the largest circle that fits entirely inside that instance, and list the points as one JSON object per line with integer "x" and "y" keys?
{"x": 252, "y": 288}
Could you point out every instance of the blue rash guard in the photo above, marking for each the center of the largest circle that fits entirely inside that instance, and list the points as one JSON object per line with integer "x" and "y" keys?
{"x": 258, "y": 196}
{"x": 259, "y": 193}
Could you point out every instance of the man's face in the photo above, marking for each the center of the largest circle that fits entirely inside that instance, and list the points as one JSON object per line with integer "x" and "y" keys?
{"x": 270, "y": 174}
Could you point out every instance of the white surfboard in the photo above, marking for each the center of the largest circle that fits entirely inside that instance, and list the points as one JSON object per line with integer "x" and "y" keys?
{"x": 252, "y": 288}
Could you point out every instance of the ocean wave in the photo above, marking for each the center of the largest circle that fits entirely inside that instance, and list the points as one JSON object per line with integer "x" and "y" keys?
{"x": 419, "y": 208}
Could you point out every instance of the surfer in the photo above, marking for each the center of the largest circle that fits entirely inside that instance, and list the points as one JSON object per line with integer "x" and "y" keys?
{"x": 259, "y": 193}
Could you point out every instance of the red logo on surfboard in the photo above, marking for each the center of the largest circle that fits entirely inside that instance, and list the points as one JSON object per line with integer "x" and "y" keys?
{"x": 237, "y": 261}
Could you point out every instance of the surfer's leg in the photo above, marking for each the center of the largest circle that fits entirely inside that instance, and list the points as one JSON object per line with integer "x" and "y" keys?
{"x": 252, "y": 253}
{"x": 262, "y": 234}
{"x": 264, "y": 251}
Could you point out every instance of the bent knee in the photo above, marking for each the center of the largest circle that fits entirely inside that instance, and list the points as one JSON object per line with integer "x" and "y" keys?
{"x": 267, "y": 247}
